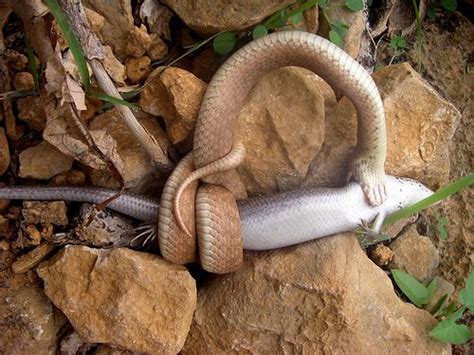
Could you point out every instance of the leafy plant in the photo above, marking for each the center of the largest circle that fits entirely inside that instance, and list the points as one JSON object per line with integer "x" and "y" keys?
{"x": 448, "y": 5}
{"x": 446, "y": 330}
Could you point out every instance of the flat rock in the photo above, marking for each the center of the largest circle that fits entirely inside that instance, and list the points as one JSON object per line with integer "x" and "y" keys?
{"x": 123, "y": 298}
{"x": 282, "y": 127}
{"x": 43, "y": 161}
{"x": 420, "y": 125}
{"x": 324, "y": 296}
{"x": 415, "y": 254}
{"x": 29, "y": 323}
{"x": 176, "y": 95}
{"x": 208, "y": 17}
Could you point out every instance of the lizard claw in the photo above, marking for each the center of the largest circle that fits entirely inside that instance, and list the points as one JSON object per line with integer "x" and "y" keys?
{"x": 376, "y": 193}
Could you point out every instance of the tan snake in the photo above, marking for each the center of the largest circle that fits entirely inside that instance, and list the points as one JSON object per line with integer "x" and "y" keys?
{"x": 215, "y": 151}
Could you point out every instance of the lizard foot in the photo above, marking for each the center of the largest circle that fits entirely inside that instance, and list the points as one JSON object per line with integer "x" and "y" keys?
{"x": 372, "y": 180}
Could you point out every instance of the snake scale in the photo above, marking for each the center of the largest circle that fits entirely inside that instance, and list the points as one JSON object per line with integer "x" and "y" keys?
{"x": 210, "y": 211}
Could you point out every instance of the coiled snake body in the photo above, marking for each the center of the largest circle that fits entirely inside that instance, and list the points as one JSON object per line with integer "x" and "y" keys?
{"x": 212, "y": 212}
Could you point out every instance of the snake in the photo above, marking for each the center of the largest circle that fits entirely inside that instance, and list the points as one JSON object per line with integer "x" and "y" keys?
{"x": 209, "y": 212}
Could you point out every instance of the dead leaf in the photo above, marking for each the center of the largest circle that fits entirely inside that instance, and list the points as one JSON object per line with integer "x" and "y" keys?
{"x": 157, "y": 17}
{"x": 114, "y": 68}
{"x": 75, "y": 94}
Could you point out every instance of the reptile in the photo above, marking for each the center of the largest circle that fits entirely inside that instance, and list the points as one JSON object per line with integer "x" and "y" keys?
{"x": 268, "y": 222}
{"x": 216, "y": 152}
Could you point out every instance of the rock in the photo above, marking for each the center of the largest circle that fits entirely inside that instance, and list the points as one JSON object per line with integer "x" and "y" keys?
{"x": 43, "y": 161}
{"x": 117, "y": 24}
{"x": 355, "y": 22}
{"x": 278, "y": 153}
{"x": 54, "y": 212}
{"x": 158, "y": 49}
{"x": 72, "y": 344}
{"x": 15, "y": 60}
{"x": 31, "y": 110}
{"x": 157, "y": 17}
{"x": 23, "y": 81}
{"x": 176, "y": 95}
{"x": 4, "y": 152}
{"x": 138, "y": 172}
{"x": 324, "y": 296}
{"x": 4, "y": 226}
{"x": 381, "y": 255}
{"x": 115, "y": 69}
{"x": 96, "y": 21}
{"x": 205, "y": 64}
{"x": 209, "y": 17}
{"x": 137, "y": 68}
{"x": 138, "y": 42}
{"x": 420, "y": 125}
{"x": 4, "y": 245}
{"x": 71, "y": 177}
{"x": 415, "y": 254}
{"x": 444, "y": 288}
{"x": 121, "y": 297}
{"x": 29, "y": 323}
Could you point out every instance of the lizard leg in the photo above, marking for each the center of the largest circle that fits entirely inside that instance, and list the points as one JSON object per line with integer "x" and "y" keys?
{"x": 374, "y": 230}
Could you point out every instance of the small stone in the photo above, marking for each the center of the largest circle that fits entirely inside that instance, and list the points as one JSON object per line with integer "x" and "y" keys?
{"x": 23, "y": 81}
{"x": 43, "y": 161}
{"x": 54, "y": 212}
{"x": 29, "y": 323}
{"x": 415, "y": 254}
{"x": 31, "y": 110}
{"x": 4, "y": 152}
{"x": 138, "y": 42}
{"x": 123, "y": 298}
{"x": 137, "y": 68}
{"x": 176, "y": 95}
{"x": 158, "y": 48}
{"x": 4, "y": 226}
{"x": 4, "y": 245}
{"x": 96, "y": 21}
{"x": 47, "y": 231}
{"x": 444, "y": 288}
{"x": 33, "y": 234}
{"x": 71, "y": 177}
{"x": 16, "y": 60}
{"x": 381, "y": 255}
{"x": 72, "y": 344}
{"x": 28, "y": 261}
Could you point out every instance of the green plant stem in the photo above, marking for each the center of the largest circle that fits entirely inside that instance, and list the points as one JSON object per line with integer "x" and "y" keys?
{"x": 32, "y": 64}
{"x": 439, "y": 195}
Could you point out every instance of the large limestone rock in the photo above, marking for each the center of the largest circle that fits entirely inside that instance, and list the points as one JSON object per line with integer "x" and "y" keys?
{"x": 123, "y": 298}
{"x": 324, "y": 296}
{"x": 209, "y": 17}
{"x": 282, "y": 127}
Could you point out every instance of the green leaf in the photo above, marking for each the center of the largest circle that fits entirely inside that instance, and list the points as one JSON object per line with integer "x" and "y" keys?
{"x": 323, "y": 4}
{"x": 32, "y": 64}
{"x": 259, "y": 31}
{"x": 339, "y": 27}
{"x": 432, "y": 286}
{"x": 224, "y": 43}
{"x": 112, "y": 99}
{"x": 450, "y": 5}
{"x": 437, "y": 307}
{"x": 451, "y": 332}
{"x": 336, "y": 38}
{"x": 398, "y": 42}
{"x": 466, "y": 295}
{"x": 355, "y": 5}
{"x": 440, "y": 227}
{"x": 72, "y": 42}
{"x": 296, "y": 18}
{"x": 416, "y": 292}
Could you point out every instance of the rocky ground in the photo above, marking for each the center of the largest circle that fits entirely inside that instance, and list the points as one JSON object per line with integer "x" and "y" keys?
{"x": 72, "y": 278}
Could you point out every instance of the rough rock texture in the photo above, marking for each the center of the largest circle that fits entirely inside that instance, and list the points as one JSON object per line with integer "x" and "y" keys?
{"x": 319, "y": 297}
{"x": 118, "y": 22}
{"x": 209, "y": 17}
{"x": 43, "y": 161}
{"x": 415, "y": 254}
{"x": 282, "y": 127}
{"x": 355, "y": 22}
{"x": 138, "y": 41}
{"x": 4, "y": 152}
{"x": 30, "y": 110}
{"x": 137, "y": 68}
{"x": 124, "y": 298}
{"x": 29, "y": 323}
{"x": 420, "y": 125}
{"x": 137, "y": 171}
{"x": 176, "y": 95}
{"x": 45, "y": 212}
